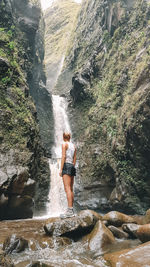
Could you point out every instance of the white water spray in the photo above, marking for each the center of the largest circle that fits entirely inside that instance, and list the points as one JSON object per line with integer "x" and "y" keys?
{"x": 57, "y": 198}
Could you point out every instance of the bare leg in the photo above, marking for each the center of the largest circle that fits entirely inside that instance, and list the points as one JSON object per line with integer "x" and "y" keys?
{"x": 72, "y": 182}
{"x": 68, "y": 186}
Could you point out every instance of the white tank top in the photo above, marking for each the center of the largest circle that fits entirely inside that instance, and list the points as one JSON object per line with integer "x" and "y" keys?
{"x": 70, "y": 152}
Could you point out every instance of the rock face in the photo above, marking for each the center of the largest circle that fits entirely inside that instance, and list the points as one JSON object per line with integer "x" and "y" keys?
{"x": 109, "y": 62}
{"x": 59, "y": 21}
{"x": 22, "y": 163}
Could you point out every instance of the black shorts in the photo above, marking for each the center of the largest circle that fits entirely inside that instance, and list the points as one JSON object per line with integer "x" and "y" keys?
{"x": 69, "y": 169}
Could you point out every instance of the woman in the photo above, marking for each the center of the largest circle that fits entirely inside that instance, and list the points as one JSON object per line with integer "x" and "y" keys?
{"x": 68, "y": 172}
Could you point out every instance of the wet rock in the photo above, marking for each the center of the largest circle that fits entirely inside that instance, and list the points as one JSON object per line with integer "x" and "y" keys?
{"x": 29, "y": 188}
{"x": 117, "y": 219}
{"x": 49, "y": 242}
{"x": 131, "y": 229}
{"x": 100, "y": 238}
{"x": 14, "y": 244}
{"x": 20, "y": 207}
{"x": 17, "y": 186}
{"x": 135, "y": 257}
{"x": 38, "y": 264}
{"x": 143, "y": 232}
{"x": 74, "y": 227}
{"x": 4, "y": 64}
{"x": 139, "y": 219}
{"x": 5, "y": 261}
{"x": 118, "y": 232}
{"x": 78, "y": 91}
{"x": 147, "y": 216}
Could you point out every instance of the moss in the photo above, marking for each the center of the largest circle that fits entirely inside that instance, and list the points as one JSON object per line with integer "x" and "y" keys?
{"x": 17, "y": 119}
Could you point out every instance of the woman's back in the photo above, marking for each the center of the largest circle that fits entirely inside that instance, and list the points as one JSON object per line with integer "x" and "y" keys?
{"x": 70, "y": 152}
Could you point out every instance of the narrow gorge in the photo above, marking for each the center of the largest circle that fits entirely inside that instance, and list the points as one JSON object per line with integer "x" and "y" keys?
{"x": 81, "y": 66}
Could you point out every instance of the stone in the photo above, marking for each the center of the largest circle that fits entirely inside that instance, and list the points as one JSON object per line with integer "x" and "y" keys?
{"x": 18, "y": 183}
{"x": 74, "y": 227}
{"x": 100, "y": 238}
{"x": 117, "y": 218}
{"x": 143, "y": 233}
{"x": 14, "y": 244}
{"x": 118, "y": 233}
{"x": 135, "y": 257}
{"x": 131, "y": 229}
{"x": 20, "y": 207}
{"x": 5, "y": 261}
{"x": 147, "y": 216}
{"x": 4, "y": 64}
{"x": 29, "y": 188}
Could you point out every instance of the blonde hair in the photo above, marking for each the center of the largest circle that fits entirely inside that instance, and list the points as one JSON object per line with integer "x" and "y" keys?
{"x": 66, "y": 136}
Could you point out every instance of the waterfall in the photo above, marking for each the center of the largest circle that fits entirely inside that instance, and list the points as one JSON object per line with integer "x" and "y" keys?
{"x": 57, "y": 197}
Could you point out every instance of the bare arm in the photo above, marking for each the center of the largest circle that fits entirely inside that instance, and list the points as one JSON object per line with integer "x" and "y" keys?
{"x": 74, "y": 157}
{"x": 64, "y": 148}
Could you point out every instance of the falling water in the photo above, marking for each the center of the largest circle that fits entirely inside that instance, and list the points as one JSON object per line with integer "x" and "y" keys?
{"x": 57, "y": 198}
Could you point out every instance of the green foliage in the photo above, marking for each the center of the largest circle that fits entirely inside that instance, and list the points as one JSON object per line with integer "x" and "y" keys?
{"x": 11, "y": 45}
{"x": 6, "y": 80}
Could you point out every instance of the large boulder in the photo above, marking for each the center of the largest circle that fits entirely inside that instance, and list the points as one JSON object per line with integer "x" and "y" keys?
{"x": 20, "y": 207}
{"x": 135, "y": 257}
{"x": 131, "y": 229}
{"x": 16, "y": 194}
{"x": 117, "y": 218}
{"x": 100, "y": 238}
{"x": 74, "y": 227}
{"x": 14, "y": 244}
{"x": 142, "y": 232}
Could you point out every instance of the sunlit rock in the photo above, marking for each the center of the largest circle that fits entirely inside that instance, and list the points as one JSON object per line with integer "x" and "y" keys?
{"x": 100, "y": 238}
{"x": 135, "y": 257}
{"x": 117, "y": 219}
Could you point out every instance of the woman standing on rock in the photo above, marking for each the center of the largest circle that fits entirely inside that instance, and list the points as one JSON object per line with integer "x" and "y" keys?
{"x": 68, "y": 172}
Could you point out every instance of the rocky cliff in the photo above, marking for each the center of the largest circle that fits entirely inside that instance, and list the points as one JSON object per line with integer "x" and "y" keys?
{"x": 60, "y": 19}
{"x": 24, "y": 169}
{"x": 110, "y": 65}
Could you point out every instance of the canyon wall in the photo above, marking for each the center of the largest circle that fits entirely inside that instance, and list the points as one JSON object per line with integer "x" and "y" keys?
{"x": 109, "y": 59}
{"x": 60, "y": 19}
{"x": 24, "y": 173}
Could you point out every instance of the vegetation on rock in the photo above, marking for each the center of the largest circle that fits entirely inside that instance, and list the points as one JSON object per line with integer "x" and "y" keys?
{"x": 110, "y": 63}
{"x": 60, "y": 19}
{"x": 19, "y": 131}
